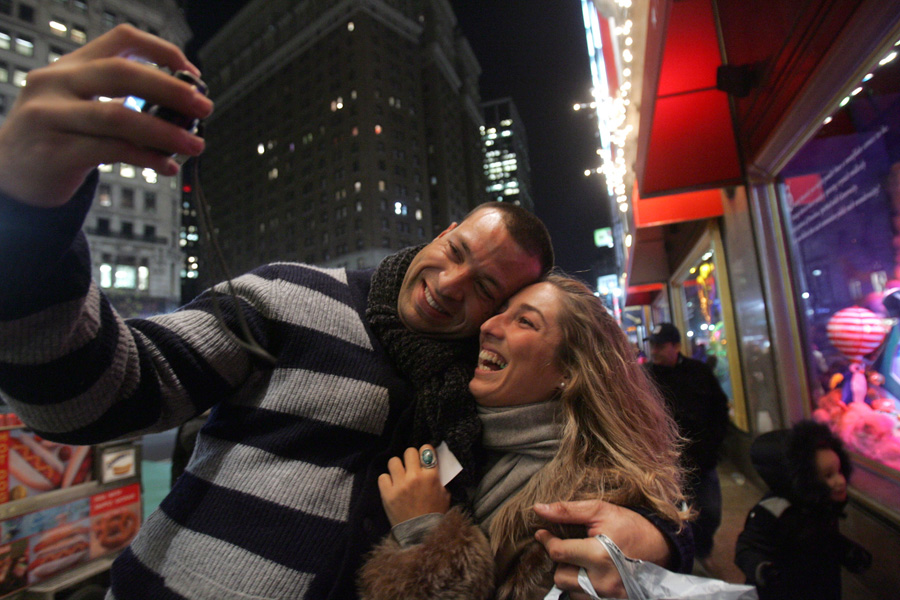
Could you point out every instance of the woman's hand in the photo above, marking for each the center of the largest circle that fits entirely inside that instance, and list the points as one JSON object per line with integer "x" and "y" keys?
{"x": 409, "y": 489}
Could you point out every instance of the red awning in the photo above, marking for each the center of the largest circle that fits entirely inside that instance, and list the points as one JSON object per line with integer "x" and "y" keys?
{"x": 677, "y": 208}
{"x": 686, "y": 138}
{"x": 640, "y": 295}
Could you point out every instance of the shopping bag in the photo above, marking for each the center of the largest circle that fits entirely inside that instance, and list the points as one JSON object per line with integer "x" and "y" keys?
{"x": 646, "y": 581}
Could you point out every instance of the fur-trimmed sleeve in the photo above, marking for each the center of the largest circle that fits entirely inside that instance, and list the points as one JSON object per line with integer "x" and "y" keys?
{"x": 453, "y": 562}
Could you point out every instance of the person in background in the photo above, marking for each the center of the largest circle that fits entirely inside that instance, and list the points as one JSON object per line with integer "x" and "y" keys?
{"x": 568, "y": 414}
{"x": 338, "y": 370}
{"x": 700, "y": 408}
{"x": 791, "y": 547}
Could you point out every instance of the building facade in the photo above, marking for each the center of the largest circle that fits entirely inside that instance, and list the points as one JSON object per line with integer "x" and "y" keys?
{"x": 506, "y": 165}
{"x": 343, "y": 131}
{"x": 133, "y": 226}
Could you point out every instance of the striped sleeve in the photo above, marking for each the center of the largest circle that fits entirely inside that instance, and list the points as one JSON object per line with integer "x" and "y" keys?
{"x": 74, "y": 370}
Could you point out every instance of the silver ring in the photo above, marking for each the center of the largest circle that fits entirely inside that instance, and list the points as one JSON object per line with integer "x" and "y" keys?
{"x": 427, "y": 459}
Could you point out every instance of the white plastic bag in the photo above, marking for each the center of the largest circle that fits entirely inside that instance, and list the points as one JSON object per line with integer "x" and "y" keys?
{"x": 646, "y": 581}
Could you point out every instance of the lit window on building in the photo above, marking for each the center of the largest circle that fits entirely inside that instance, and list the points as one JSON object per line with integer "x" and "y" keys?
{"x": 127, "y": 171}
{"x": 143, "y": 279}
{"x": 125, "y": 277}
{"x": 105, "y": 168}
{"x": 149, "y": 175}
{"x": 19, "y": 77}
{"x": 5, "y": 41}
{"x": 104, "y": 197}
{"x": 105, "y": 276}
{"x": 54, "y": 55}
{"x": 78, "y": 35}
{"x": 24, "y": 46}
{"x": 57, "y": 27}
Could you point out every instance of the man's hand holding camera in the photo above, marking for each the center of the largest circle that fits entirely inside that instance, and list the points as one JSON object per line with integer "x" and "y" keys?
{"x": 57, "y": 131}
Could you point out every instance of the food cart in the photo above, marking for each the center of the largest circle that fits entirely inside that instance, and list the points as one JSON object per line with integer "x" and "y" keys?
{"x": 65, "y": 513}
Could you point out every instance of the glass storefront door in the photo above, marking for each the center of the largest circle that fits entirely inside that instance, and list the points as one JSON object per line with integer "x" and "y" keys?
{"x": 703, "y": 304}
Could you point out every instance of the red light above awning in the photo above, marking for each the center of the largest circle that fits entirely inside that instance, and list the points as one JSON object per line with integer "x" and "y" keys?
{"x": 686, "y": 138}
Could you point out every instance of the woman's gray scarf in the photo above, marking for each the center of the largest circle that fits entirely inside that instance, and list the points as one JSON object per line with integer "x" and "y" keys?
{"x": 522, "y": 439}
{"x": 439, "y": 370}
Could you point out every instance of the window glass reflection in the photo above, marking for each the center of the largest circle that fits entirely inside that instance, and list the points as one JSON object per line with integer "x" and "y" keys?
{"x": 841, "y": 193}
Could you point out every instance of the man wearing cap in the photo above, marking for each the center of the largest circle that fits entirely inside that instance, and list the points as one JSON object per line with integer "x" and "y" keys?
{"x": 701, "y": 409}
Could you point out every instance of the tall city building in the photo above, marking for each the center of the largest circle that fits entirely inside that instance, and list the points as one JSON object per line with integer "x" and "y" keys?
{"x": 133, "y": 226}
{"x": 343, "y": 130}
{"x": 506, "y": 165}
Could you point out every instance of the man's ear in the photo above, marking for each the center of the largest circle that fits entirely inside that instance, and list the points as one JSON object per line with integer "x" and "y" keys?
{"x": 448, "y": 230}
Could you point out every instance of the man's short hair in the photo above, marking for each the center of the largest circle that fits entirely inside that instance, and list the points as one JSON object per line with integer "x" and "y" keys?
{"x": 526, "y": 229}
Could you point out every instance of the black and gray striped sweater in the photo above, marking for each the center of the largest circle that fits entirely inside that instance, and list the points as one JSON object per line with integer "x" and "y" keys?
{"x": 279, "y": 500}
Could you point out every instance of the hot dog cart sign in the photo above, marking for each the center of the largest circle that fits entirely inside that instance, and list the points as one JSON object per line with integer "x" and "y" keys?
{"x": 30, "y": 465}
{"x": 41, "y": 544}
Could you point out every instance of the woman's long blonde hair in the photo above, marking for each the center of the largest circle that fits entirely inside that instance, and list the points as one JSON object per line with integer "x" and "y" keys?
{"x": 619, "y": 442}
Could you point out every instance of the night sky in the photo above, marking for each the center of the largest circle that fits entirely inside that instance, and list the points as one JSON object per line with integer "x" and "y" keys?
{"x": 537, "y": 55}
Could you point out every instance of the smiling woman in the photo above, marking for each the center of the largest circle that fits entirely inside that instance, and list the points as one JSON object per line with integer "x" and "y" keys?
{"x": 517, "y": 361}
{"x": 567, "y": 414}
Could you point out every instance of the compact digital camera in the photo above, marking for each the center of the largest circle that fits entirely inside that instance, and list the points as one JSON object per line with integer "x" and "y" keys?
{"x": 189, "y": 123}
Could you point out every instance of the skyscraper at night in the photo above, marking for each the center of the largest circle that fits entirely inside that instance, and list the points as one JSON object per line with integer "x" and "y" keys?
{"x": 133, "y": 225}
{"x": 506, "y": 165}
{"x": 343, "y": 130}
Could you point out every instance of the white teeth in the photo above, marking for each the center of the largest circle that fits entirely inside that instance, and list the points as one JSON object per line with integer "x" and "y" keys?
{"x": 430, "y": 300}
{"x": 486, "y": 359}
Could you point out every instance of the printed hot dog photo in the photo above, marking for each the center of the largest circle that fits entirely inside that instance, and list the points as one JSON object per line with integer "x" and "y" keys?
{"x": 58, "y": 549}
{"x": 35, "y": 465}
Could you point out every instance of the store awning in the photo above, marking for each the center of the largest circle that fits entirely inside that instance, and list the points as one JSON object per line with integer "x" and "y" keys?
{"x": 676, "y": 208}
{"x": 686, "y": 138}
{"x": 640, "y": 295}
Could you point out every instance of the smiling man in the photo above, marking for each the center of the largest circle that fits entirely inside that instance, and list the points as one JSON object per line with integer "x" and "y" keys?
{"x": 457, "y": 282}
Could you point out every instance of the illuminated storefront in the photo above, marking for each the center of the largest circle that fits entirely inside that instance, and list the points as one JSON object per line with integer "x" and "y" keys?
{"x": 767, "y": 206}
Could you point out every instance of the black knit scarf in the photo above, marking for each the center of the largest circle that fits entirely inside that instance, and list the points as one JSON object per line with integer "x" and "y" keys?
{"x": 439, "y": 370}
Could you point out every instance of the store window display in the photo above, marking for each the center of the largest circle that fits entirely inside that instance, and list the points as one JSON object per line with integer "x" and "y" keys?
{"x": 841, "y": 194}
{"x": 705, "y": 321}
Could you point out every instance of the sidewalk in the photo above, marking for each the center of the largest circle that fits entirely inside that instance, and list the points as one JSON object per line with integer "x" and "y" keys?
{"x": 738, "y": 496}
